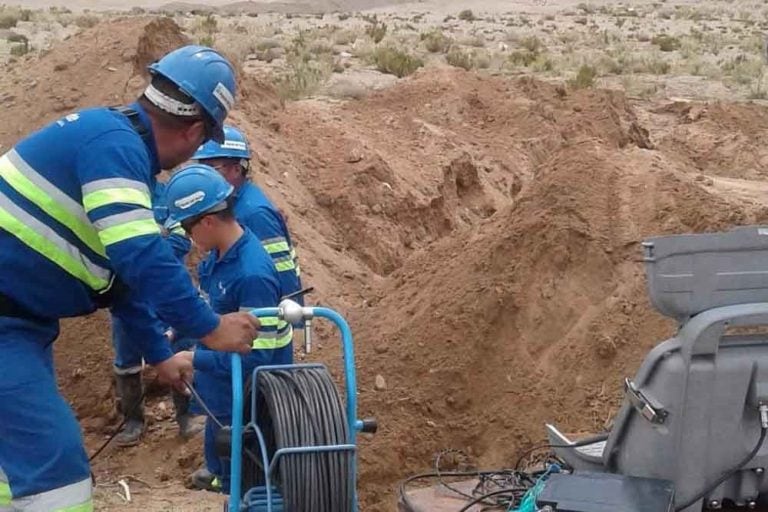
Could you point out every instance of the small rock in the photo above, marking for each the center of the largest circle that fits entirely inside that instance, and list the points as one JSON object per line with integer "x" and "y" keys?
{"x": 110, "y": 68}
{"x": 431, "y": 423}
{"x": 354, "y": 156}
{"x": 380, "y": 384}
{"x": 376, "y": 209}
{"x": 381, "y": 349}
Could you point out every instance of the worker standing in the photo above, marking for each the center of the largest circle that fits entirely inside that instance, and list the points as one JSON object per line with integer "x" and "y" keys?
{"x": 237, "y": 275}
{"x": 252, "y": 208}
{"x": 77, "y": 233}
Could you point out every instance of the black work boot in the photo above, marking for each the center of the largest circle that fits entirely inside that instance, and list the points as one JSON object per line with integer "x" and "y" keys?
{"x": 131, "y": 405}
{"x": 203, "y": 480}
{"x": 189, "y": 424}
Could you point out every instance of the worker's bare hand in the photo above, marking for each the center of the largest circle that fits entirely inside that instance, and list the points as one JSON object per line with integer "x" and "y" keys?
{"x": 176, "y": 371}
{"x": 235, "y": 333}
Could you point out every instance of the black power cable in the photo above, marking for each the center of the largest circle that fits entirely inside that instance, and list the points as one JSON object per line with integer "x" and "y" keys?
{"x": 521, "y": 483}
{"x": 302, "y": 408}
{"x": 728, "y": 474}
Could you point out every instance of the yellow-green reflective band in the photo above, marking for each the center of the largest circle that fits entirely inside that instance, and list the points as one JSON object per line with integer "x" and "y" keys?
{"x": 271, "y": 341}
{"x": 83, "y": 507}
{"x": 268, "y": 321}
{"x": 276, "y": 247}
{"x": 128, "y": 230}
{"x": 5, "y": 494}
{"x": 103, "y": 197}
{"x": 66, "y": 215}
{"x": 284, "y": 264}
{"x": 179, "y": 231}
{"x": 215, "y": 483}
{"x": 42, "y": 239}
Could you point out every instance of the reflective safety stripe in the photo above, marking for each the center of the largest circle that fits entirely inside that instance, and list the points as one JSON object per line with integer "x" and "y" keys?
{"x": 178, "y": 230}
{"x": 284, "y": 264}
{"x": 5, "y": 494}
{"x": 44, "y": 240}
{"x": 70, "y": 498}
{"x": 128, "y": 230}
{"x": 122, "y": 218}
{"x": 273, "y": 339}
{"x": 275, "y": 245}
{"x": 116, "y": 195}
{"x": 115, "y": 190}
{"x": 39, "y": 191}
{"x": 114, "y": 183}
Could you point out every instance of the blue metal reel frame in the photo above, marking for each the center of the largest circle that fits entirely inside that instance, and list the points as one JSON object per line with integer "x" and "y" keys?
{"x": 354, "y": 424}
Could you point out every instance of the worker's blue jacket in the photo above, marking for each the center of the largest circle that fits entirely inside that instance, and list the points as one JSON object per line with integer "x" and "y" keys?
{"x": 77, "y": 226}
{"x": 256, "y": 212}
{"x": 241, "y": 279}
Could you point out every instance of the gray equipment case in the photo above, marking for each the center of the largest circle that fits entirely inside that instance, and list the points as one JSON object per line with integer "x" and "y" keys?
{"x": 691, "y": 411}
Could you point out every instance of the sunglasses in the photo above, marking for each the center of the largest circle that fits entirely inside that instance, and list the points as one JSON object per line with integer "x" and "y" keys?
{"x": 189, "y": 224}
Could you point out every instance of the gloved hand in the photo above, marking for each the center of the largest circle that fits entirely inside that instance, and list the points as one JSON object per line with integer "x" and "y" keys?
{"x": 235, "y": 333}
{"x": 175, "y": 371}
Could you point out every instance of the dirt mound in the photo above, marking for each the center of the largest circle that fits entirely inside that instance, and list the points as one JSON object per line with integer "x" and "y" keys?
{"x": 712, "y": 137}
{"x": 482, "y": 235}
{"x": 159, "y": 36}
{"x": 101, "y": 66}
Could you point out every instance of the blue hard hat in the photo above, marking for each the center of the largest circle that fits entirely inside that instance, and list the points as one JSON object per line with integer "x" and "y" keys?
{"x": 234, "y": 146}
{"x": 195, "y": 190}
{"x": 204, "y": 75}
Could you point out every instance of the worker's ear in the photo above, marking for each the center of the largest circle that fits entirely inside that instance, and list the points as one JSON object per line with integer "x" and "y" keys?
{"x": 195, "y": 132}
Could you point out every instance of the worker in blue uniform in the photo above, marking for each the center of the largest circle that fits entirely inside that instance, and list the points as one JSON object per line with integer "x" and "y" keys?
{"x": 237, "y": 275}
{"x": 77, "y": 233}
{"x": 252, "y": 208}
{"x": 129, "y": 361}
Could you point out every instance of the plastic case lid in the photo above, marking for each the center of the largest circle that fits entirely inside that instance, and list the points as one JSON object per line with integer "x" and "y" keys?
{"x": 688, "y": 274}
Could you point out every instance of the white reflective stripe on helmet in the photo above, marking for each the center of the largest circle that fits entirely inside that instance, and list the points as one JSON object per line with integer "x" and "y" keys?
{"x": 170, "y": 105}
{"x": 234, "y": 144}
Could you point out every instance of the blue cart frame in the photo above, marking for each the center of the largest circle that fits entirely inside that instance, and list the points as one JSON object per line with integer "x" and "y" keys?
{"x": 266, "y": 498}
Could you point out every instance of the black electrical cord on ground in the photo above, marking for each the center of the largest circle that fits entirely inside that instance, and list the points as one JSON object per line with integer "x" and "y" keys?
{"x": 480, "y": 499}
{"x": 523, "y": 482}
{"x": 728, "y": 474}
{"x": 302, "y": 408}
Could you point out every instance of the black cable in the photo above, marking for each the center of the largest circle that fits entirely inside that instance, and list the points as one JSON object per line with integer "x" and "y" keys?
{"x": 728, "y": 474}
{"x": 578, "y": 444}
{"x": 203, "y": 405}
{"x": 480, "y": 499}
{"x": 302, "y": 408}
{"x": 406, "y": 502}
{"x": 442, "y": 482}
